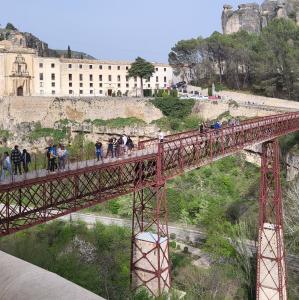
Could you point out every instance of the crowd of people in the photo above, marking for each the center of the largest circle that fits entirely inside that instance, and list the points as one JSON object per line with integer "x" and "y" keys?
{"x": 17, "y": 162}
{"x": 203, "y": 127}
{"x": 14, "y": 163}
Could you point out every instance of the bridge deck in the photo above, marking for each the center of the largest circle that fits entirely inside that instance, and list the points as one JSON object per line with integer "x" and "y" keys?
{"x": 40, "y": 196}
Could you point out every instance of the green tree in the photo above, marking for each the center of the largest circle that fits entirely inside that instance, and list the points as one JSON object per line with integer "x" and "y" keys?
{"x": 142, "y": 69}
{"x": 276, "y": 61}
{"x": 10, "y": 26}
{"x": 69, "y": 52}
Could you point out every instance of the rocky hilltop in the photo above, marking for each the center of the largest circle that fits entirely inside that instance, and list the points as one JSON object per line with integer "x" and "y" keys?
{"x": 27, "y": 39}
{"x": 252, "y": 17}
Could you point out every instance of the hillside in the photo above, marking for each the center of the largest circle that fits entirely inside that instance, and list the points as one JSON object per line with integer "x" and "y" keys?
{"x": 27, "y": 39}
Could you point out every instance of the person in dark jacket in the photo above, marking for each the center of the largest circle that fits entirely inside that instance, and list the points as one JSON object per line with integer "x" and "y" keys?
{"x": 26, "y": 160}
{"x": 99, "y": 150}
{"x": 16, "y": 158}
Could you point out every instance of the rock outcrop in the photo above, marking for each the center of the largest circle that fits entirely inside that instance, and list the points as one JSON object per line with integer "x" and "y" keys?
{"x": 28, "y": 40}
{"x": 252, "y": 18}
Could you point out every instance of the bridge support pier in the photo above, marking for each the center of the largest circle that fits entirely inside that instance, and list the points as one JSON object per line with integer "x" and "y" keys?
{"x": 150, "y": 266}
{"x": 271, "y": 269}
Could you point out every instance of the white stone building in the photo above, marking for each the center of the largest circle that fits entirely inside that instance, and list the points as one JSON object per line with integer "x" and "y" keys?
{"x": 24, "y": 73}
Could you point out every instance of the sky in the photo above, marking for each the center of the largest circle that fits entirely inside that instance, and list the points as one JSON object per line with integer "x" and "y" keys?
{"x": 116, "y": 29}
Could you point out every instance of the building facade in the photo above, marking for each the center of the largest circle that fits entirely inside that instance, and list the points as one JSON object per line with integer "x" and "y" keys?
{"x": 24, "y": 73}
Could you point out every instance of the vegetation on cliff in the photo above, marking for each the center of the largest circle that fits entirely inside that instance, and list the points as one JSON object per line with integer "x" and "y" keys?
{"x": 266, "y": 64}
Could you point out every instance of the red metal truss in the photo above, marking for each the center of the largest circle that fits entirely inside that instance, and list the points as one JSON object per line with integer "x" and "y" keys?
{"x": 29, "y": 202}
{"x": 150, "y": 266}
{"x": 271, "y": 268}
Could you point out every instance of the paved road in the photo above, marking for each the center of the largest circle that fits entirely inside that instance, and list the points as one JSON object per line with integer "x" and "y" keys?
{"x": 182, "y": 234}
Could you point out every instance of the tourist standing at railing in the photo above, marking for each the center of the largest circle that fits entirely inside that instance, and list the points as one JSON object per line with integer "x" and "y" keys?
{"x": 26, "y": 160}
{"x": 130, "y": 145}
{"x": 99, "y": 150}
{"x": 124, "y": 143}
{"x": 62, "y": 156}
{"x": 114, "y": 147}
{"x": 6, "y": 166}
{"x": 16, "y": 158}
{"x": 161, "y": 136}
{"x": 110, "y": 148}
{"x": 53, "y": 156}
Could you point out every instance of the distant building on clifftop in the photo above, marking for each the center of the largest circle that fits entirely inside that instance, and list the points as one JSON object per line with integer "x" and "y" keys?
{"x": 24, "y": 73}
{"x": 252, "y": 17}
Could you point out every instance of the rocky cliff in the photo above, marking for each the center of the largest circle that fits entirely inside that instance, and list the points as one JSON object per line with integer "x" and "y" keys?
{"x": 27, "y": 39}
{"x": 253, "y": 17}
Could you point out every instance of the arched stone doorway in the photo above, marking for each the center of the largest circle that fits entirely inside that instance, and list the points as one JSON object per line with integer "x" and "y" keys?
{"x": 20, "y": 91}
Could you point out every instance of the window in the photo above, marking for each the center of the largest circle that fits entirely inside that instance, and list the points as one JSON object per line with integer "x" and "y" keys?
{"x": 90, "y": 77}
{"x": 100, "y": 91}
{"x": 53, "y": 84}
{"x": 135, "y": 78}
{"x": 157, "y": 79}
{"x": 109, "y": 67}
{"x": 157, "y": 69}
{"x": 70, "y": 77}
{"x": 100, "y": 67}
{"x": 90, "y": 66}
{"x": 53, "y": 92}
{"x": 80, "y": 66}
{"x": 80, "y": 77}
{"x": 41, "y": 76}
{"x": 165, "y": 79}
{"x": 164, "y": 69}
{"x": 41, "y": 92}
{"x": 118, "y": 85}
{"x": 148, "y": 85}
{"x": 91, "y": 92}
{"x": 70, "y": 92}
{"x": 41, "y": 65}
{"x": 41, "y": 84}
{"x": 70, "y": 84}
{"x": 127, "y": 68}
{"x": 100, "y": 84}
{"x": 52, "y": 76}
{"x": 118, "y": 77}
{"x": 100, "y": 77}
{"x": 81, "y": 92}
{"x": 70, "y": 66}
{"x": 127, "y": 78}
{"x": 127, "y": 85}
{"x": 118, "y": 67}
{"x": 110, "y": 77}
{"x": 52, "y": 66}
{"x": 91, "y": 84}
{"x": 81, "y": 84}
{"x": 135, "y": 85}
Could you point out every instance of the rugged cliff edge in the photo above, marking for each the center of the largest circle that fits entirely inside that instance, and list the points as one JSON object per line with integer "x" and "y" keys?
{"x": 252, "y": 17}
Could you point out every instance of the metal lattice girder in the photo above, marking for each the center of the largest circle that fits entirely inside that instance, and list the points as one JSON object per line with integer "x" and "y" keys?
{"x": 150, "y": 266}
{"x": 32, "y": 202}
{"x": 271, "y": 268}
{"x": 36, "y": 200}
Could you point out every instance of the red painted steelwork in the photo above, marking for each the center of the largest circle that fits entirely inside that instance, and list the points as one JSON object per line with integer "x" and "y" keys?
{"x": 37, "y": 200}
{"x": 271, "y": 267}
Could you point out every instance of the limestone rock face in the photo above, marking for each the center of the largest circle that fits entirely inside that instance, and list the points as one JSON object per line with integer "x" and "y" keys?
{"x": 252, "y": 18}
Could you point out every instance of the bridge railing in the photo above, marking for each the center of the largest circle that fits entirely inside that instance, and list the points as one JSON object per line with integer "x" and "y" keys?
{"x": 40, "y": 165}
{"x": 202, "y": 148}
{"x": 150, "y": 142}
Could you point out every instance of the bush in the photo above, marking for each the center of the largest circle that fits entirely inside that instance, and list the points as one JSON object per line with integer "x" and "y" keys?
{"x": 56, "y": 134}
{"x": 174, "y": 107}
{"x": 186, "y": 251}
{"x": 210, "y": 91}
{"x": 172, "y": 244}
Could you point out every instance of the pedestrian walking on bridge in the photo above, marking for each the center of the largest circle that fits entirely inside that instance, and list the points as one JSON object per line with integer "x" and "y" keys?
{"x": 26, "y": 160}
{"x": 16, "y": 158}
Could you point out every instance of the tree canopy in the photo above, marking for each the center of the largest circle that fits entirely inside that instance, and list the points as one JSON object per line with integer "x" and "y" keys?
{"x": 267, "y": 64}
{"x": 142, "y": 69}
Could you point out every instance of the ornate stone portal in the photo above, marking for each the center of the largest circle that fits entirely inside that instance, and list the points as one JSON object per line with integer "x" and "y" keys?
{"x": 20, "y": 77}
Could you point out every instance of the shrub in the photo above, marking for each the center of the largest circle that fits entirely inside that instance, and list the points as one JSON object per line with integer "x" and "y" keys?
{"x": 210, "y": 91}
{"x": 118, "y": 122}
{"x": 172, "y": 244}
{"x": 172, "y": 236}
{"x": 186, "y": 251}
{"x": 174, "y": 107}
